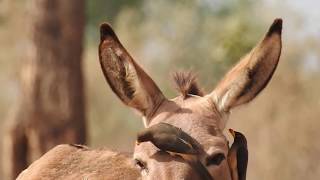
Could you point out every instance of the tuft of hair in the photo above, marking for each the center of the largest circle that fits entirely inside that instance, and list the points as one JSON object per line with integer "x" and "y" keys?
{"x": 186, "y": 83}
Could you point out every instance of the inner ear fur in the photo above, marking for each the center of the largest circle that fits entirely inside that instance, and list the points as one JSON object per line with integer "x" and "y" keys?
{"x": 251, "y": 75}
{"x": 125, "y": 77}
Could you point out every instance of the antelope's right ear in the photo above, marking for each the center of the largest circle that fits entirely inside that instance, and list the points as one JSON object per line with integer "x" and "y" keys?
{"x": 125, "y": 77}
{"x": 251, "y": 75}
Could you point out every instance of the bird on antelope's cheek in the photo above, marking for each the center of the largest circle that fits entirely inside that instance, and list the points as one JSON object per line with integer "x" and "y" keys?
{"x": 238, "y": 156}
{"x": 176, "y": 142}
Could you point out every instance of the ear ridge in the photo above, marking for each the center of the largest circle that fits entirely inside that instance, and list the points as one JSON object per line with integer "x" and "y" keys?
{"x": 251, "y": 75}
{"x": 107, "y": 31}
{"x": 276, "y": 27}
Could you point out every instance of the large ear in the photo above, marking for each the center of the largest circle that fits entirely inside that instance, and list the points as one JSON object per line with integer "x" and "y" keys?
{"x": 125, "y": 77}
{"x": 246, "y": 80}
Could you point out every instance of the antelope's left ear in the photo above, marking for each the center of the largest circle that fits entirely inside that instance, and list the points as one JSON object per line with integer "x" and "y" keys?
{"x": 127, "y": 79}
{"x": 246, "y": 80}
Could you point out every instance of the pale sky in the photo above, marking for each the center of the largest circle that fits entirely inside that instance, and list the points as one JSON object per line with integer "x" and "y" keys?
{"x": 309, "y": 10}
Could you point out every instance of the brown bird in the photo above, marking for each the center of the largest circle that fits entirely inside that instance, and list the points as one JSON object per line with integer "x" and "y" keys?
{"x": 238, "y": 156}
{"x": 173, "y": 140}
{"x": 169, "y": 138}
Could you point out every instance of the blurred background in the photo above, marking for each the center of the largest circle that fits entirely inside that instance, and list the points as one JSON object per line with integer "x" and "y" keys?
{"x": 206, "y": 36}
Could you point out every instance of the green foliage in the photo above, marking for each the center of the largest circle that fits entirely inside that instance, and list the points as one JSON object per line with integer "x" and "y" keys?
{"x": 101, "y": 10}
{"x": 190, "y": 34}
{"x": 98, "y": 11}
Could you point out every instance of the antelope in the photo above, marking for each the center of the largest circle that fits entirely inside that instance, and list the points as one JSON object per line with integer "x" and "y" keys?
{"x": 202, "y": 116}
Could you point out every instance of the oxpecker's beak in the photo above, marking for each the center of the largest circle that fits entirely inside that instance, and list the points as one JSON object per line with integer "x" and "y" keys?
{"x": 232, "y": 133}
{"x": 137, "y": 143}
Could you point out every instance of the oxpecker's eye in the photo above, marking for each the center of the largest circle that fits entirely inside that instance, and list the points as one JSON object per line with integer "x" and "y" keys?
{"x": 215, "y": 159}
{"x": 142, "y": 166}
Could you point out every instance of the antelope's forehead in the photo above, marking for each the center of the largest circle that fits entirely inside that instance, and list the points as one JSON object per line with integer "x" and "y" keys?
{"x": 195, "y": 115}
{"x": 188, "y": 108}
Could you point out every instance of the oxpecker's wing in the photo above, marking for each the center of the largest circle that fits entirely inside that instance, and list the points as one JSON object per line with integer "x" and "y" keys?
{"x": 242, "y": 162}
{"x": 173, "y": 143}
{"x": 232, "y": 161}
{"x": 185, "y": 142}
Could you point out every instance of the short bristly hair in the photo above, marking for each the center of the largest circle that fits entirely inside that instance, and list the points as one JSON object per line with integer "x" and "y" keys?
{"x": 186, "y": 83}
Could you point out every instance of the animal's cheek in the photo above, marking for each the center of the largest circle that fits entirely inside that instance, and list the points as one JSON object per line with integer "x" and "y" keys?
{"x": 220, "y": 171}
{"x": 170, "y": 170}
{"x": 145, "y": 149}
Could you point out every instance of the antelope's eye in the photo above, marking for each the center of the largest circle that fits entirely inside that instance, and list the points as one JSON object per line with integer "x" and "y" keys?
{"x": 215, "y": 159}
{"x": 142, "y": 166}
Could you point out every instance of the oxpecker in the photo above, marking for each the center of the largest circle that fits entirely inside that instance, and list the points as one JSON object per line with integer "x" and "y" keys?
{"x": 238, "y": 156}
{"x": 173, "y": 140}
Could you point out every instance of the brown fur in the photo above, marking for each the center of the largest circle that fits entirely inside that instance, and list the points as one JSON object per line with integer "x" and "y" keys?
{"x": 186, "y": 83}
{"x": 80, "y": 162}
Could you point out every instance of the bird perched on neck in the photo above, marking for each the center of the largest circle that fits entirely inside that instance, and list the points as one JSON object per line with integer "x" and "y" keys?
{"x": 176, "y": 142}
{"x": 238, "y": 156}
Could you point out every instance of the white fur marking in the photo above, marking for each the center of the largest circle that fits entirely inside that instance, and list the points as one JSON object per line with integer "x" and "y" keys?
{"x": 145, "y": 123}
{"x": 119, "y": 52}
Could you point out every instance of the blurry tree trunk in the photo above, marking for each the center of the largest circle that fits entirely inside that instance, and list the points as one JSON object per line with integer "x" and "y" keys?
{"x": 51, "y": 108}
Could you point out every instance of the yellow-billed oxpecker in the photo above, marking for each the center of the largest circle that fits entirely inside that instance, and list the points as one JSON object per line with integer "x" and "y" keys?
{"x": 173, "y": 140}
{"x": 238, "y": 156}
{"x": 169, "y": 138}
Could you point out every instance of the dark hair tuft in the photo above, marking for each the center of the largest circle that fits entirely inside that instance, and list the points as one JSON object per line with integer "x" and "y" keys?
{"x": 186, "y": 83}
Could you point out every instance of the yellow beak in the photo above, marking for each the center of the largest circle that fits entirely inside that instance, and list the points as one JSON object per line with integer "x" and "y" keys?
{"x": 137, "y": 143}
{"x": 232, "y": 133}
